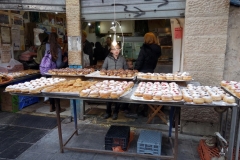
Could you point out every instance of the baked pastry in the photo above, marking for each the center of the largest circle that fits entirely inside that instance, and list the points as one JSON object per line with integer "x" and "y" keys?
{"x": 216, "y": 97}
{"x": 157, "y": 95}
{"x": 148, "y": 95}
{"x": 114, "y": 95}
{"x": 187, "y": 98}
{"x": 167, "y": 97}
{"x": 229, "y": 99}
{"x": 198, "y": 100}
{"x": 94, "y": 93}
{"x": 161, "y": 76}
{"x": 177, "y": 96}
{"x": 169, "y": 76}
{"x": 104, "y": 94}
{"x": 154, "y": 76}
{"x": 84, "y": 93}
{"x": 207, "y": 99}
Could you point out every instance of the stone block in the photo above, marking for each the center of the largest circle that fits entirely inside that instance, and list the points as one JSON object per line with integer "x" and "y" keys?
{"x": 200, "y": 26}
{"x": 205, "y": 44}
{"x": 208, "y": 78}
{"x": 73, "y": 28}
{"x": 195, "y": 114}
{"x": 74, "y": 58}
{"x": 199, "y": 128}
{"x": 73, "y": 12}
{"x": 203, "y": 62}
{"x": 72, "y": 2}
{"x": 206, "y": 8}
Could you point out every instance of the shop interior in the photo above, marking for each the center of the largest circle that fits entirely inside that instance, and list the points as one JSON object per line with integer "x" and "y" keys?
{"x": 28, "y": 25}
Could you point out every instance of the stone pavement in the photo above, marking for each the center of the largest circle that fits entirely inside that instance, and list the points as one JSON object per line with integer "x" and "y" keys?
{"x": 92, "y": 136}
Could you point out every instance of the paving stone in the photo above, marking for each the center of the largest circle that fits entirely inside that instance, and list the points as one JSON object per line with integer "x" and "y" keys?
{"x": 29, "y": 155}
{"x": 4, "y": 145}
{"x": 34, "y": 136}
{"x": 15, "y": 150}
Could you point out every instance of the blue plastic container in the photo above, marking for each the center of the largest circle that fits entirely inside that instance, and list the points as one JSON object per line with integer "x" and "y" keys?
{"x": 149, "y": 142}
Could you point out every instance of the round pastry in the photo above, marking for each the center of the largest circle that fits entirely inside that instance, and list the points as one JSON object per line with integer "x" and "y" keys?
{"x": 104, "y": 94}
{"x": 157, "y": 95}
{"x": 224, "y": 83}
{"x": 167, "y": 97}
{"x": 216, "y": 97}
{"x": 237, "y": 92}
{"x": 229, "y": 99}
{"x": 140, "y": 75}
{"x": 94, "y": 94}
{"x": 207, "y": 99}
{"x": 198, "y": 100}
{"x": 84, "y": 93}
{"x": 169, "y": 76}
{"x": 161, "y": 76}
{"x": 114, "y": 95}
{"x": 187, "y": 98}
{"x": 177, "y": 96}
{"x": 147, "y": 95}
{"x": 154, "y": 76}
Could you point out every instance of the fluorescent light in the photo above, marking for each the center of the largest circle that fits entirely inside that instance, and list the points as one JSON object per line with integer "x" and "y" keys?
{"x": 114, "y": 43}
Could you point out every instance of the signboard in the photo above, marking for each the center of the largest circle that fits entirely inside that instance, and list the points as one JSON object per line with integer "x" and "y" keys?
{"x": 178, "y": 33}
{"x": 5, "y": 51}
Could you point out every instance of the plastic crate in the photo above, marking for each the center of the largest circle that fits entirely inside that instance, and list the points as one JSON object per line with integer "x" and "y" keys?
{"x": 75, "y": 66}
{"x": 205, "y": 152}
{"x": 23, "y": 101}
{"x": 149, "y": 142}
{"x": 117, "y": 136}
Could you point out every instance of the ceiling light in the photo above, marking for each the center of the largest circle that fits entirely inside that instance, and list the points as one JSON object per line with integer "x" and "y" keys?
{"x": 89, "y": 24}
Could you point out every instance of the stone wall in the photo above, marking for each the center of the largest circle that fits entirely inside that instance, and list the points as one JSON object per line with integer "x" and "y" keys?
{"x": 206, "y": 25}
{"x": 232, "y": 60}
{"x": 73, "y": 13}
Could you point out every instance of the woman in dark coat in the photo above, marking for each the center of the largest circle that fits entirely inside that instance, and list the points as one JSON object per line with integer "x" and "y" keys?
{"x": 149, "y": 54}
{"x": 148, "y": 58}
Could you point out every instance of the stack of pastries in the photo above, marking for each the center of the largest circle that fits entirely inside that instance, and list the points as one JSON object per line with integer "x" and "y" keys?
{"x": 71, "y": 71}
{"x": 107, "y": 89}
{"x": 158, "y": 91}
{"x": 165, "y": 76}
{"x": 232, "y": 86}
{"x": 34, "y": 86}
{"x": 70, "y": 86}
{"x": 120, "y": 72}
{"x": 205, "y": 94}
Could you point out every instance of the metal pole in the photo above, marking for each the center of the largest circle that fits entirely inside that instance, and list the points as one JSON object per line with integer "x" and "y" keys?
{"x": 75, "y": 115}
{"x": 59, "y": 125}
{"x": 177, "y": 109}
{"x": 232, "y": 133}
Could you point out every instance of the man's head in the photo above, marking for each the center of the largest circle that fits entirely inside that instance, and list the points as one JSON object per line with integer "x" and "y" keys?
{"x": 109, "y": 41}
{"x": 84, "y": 36}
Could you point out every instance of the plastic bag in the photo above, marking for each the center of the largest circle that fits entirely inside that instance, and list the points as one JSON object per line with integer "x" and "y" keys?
{"x": 86, "y": 60}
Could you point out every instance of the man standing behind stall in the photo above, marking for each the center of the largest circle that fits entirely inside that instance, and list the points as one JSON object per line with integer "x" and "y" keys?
{"x": 87, "y": 47}
{"x": 107, "y": 48}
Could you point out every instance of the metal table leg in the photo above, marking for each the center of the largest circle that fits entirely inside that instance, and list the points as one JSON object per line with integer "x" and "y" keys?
{"x": 232, "y": 133}
{"x": 59, "y": 125}
{"x": 75, "y": 115}
{"x": 238, "y": 140}
{"x": 82, "y": 110}
{"x": 171, "y": 115}
{"x": 177, "y": 112}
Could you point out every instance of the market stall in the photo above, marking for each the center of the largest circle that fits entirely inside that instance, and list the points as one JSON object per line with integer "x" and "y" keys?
{"x": 79, "y": 88}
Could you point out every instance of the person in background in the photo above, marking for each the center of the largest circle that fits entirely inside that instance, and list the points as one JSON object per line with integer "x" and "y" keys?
{"x": 98, "y": 53}
{"x": 87, "y": 47}
{"x": 114, "y": 61}
{"x": 107, "y": 48}
{"x": 65, "y": 54}
{"x": 56, "y": 55}
{"x": 149, "y": 54}
{"x": 148, "y": 58}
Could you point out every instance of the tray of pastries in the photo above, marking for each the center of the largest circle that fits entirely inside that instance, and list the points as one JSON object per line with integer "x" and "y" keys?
{"x": 23, "y": 73}
{"x": 4, "y": 78}
{"x": 69, "y": 87}
{"x": 71, "y": 71}
{"x": 114, "y": 74}
{"x": 178, "y": 76}
{"x": 207, "y": 95}
{"x": 33, "y": 86}
{"x": 108, "y": 89}
{"x": 232, "y": 86}
{"x": 156, "y": 91}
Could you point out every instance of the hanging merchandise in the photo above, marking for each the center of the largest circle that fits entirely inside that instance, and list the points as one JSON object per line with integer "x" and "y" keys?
{"x": 16, "y": 38}
{"x": 36, "y": 38}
